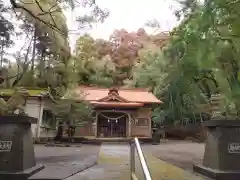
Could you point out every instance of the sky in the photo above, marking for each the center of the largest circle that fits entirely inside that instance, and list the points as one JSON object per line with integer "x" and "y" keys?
{"x": 128, "y": 14}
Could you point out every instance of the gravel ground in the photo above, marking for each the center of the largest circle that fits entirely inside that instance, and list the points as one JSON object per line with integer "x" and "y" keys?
{"x": 179, "y": 153}
{"x": 113, "y": 164}
{"x": 49, "y": 155}
{"x": 169, "y": 160}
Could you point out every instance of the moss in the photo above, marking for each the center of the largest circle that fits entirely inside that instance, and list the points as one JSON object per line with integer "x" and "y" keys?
{"x": 31, "y": 92}
{"x": 107, "y": 159}
{"x": 163, "y": 170}
{"x": 120, "y": 164}
{"x": 159, "y": 169}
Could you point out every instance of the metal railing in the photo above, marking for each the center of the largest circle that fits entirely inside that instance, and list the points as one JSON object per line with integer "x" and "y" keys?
{"x": 134, "y": 144}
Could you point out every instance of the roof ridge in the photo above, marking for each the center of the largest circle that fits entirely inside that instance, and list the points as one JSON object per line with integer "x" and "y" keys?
{"x": 135, "y": 89}
{"x": 120, "y": 88}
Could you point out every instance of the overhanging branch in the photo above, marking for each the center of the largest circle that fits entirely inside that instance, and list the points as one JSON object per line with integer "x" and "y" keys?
{"x": 18, "y": 6}
{"x": 47, "y": 12}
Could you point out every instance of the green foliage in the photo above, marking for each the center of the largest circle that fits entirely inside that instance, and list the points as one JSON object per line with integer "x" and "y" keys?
{"x": 45, "y": 60}
{"x": 6, "y": 30}
{"x": 70, "y": 109}
{"x": 90, "y": 66}
{"x": 212, "y": 35}
{"x": 180, "y": 95}
{"x": 51, "y": 13}
{"x": 200, "y": 60}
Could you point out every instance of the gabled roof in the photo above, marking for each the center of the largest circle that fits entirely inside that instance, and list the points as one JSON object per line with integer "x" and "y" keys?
{"x": 113, "y": 95}
{"x": 122, "y": 95}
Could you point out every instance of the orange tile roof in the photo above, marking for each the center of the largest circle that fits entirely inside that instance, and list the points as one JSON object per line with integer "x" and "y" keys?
{"x": 132, "y": 95}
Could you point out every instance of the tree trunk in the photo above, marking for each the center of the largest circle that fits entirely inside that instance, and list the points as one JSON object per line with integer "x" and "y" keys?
{"x": 34, "y": 49}
{"x": 2, "y": 53}
{"x": 59, "y": 133}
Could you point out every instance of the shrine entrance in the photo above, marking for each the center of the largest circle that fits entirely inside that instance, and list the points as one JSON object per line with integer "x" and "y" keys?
{"x": 112, "y": 124}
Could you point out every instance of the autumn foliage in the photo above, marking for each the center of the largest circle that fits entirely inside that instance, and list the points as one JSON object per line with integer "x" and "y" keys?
{"x": 121, "y": 52}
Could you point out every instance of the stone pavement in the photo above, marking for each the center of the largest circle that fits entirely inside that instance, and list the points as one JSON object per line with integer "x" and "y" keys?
{"x": 63, "y": 162}
{"x": 114, "y": 164}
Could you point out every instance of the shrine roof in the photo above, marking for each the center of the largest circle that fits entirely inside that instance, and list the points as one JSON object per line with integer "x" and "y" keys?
{"x": 123, "y": 95}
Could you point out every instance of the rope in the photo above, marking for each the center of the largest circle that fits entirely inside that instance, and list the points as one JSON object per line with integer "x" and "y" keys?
{"x": 112, "y": 118}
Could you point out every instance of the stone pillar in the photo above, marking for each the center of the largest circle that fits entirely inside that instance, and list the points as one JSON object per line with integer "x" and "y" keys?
{"x": 17, "y": 158}
{"x": 221, "y": 159}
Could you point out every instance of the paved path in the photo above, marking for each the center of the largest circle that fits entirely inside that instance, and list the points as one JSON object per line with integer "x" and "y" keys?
{"x": 63, "y": 162}
{"x": 113, "y": 164}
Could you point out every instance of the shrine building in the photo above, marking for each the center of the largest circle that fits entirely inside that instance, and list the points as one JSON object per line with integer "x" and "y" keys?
{"x": 118, "y": 112}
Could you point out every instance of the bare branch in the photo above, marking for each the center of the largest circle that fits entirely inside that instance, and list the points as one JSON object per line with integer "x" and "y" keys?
{"x": 25, "y": 68}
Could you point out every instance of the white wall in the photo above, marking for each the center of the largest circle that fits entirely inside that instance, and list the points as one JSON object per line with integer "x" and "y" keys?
{"x": 50, "y": 133}
{"x": 33, "y": 109}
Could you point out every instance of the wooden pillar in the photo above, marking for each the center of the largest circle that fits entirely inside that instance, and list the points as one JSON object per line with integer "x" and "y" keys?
{"x": 96, "y": 124}
{"x": 150, "y": 127}
{"x": 129, "y": 125}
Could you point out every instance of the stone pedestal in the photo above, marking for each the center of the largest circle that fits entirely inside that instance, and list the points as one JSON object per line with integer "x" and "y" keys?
{"x": 222, "y": 151}
{"x": 17, "y": 158}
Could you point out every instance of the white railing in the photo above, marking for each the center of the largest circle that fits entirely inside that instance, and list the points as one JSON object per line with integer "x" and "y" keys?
{"x": 134, "y": 144}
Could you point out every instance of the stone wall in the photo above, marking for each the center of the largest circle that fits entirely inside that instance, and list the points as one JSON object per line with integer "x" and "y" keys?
{"x": 34, "y": 108}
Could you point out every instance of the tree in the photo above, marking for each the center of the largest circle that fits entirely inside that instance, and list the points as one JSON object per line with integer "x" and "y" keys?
{"x": 201, "y": 59}
{"x": 30, "y": 6}
{"x": 211, "y": 29}
{"x": 106, "y": 63}
{"x": 6, "y": 28}
{"x": 127, "y": 48}
{"x": 45, "y": 59}
{"x": 92, "y": 65}
{"x": 71, "y": 112}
